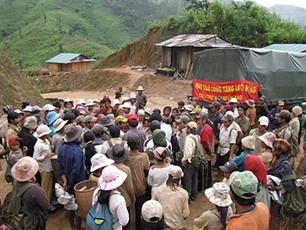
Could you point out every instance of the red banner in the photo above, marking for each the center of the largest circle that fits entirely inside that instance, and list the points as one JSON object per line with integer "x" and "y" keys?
{"x": 242, "y": 90}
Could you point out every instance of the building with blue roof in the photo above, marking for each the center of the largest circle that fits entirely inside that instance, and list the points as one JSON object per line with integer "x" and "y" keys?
{"x": 69, "y": 62}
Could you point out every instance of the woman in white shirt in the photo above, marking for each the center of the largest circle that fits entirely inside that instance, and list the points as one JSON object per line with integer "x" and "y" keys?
{"x": 159, "y": 172}
{"x": 107, "y": 193}
{"x": 42, "y": 154}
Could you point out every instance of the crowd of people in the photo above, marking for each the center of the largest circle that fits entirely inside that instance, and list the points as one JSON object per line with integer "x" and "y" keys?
{"x": 142, "y": 160}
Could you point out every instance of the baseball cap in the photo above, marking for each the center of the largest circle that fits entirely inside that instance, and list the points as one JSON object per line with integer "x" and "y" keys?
{"x": 120, "y": 118}
{"x": 244, "y": 184}
{"x": 229, "y": 167}
{"x": 263, "y": 120}
{"x": 152, "y": 211}
{"x": 192, "y": 125}
{"x": 176, "y": 172}
{"x": 202, "y": 116}
{"x": 227, "y": 117}
{"x": 183, "y": 119}
{"x": 132, "y": 118}
{"x": 215, "y": 104}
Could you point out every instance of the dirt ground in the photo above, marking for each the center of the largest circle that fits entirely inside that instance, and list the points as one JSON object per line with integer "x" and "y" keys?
{"x": 58, "y": 220}
{"x": 154, "y": 101}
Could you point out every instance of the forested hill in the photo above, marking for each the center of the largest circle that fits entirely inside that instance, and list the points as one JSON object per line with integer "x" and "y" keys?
{"x": 32, "y": 31}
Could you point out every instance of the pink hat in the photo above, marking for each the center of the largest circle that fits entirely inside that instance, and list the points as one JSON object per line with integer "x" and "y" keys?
{"x": 159, "y": 151}
{"x": 25, "y": 169}
{"x": 111, "y": 178}
{"x": 268, "y": 138}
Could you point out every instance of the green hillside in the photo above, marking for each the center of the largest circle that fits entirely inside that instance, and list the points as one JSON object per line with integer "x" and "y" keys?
{"x": 32, "y": 31}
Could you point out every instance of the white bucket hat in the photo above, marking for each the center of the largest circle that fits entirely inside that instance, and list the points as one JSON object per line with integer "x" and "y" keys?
{"x": 219, "y": 194}
{"x": 98, "y": 161}
{"x": 268, "y": 138}
{"x": 43, "y": 130}
{"x": 140, "y": 88}
{"x": 248, "y": 142}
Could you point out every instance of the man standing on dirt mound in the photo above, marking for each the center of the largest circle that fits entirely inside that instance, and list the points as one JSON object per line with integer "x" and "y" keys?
{"x": 141, "y": 98}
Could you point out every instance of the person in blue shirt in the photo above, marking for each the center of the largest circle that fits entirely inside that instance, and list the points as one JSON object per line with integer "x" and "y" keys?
{"x": 272, "y": 115}
{"x": 247, "y": 148}
{"x": 71, "y": 166}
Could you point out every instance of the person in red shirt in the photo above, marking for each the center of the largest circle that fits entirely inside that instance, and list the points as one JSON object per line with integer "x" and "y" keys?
{"x": 207, "y": 141}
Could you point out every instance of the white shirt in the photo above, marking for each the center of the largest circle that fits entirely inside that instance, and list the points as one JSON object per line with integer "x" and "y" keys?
{"x": 189, "y": 147}
{"x": 158, "y": 176}
{"x": 227, "y": 136}
{"x": 41, "y": 149}
{"x": 167, "y": 129}
{"x": 117, "y": 207}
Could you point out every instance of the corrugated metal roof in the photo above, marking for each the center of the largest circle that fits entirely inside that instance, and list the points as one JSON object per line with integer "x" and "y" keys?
{"x": 195, "y": 40}
{"x": 287, "y": 47}
{"x": 65, "y": 58}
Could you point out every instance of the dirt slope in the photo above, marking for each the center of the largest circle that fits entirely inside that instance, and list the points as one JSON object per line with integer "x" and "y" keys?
{"x": 142, "y": 52}
{"x": 13, "y": 85}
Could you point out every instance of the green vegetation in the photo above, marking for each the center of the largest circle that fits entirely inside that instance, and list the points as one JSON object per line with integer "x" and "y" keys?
{"x": 245, "y": 24}
{"x": 32, "y": 31}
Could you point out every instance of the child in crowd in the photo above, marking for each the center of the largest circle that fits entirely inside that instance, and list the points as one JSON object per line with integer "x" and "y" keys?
{"x": 16, "y": 152}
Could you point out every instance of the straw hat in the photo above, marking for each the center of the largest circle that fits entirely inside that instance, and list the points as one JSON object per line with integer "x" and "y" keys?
{"x": 248, "y": 142}
{"x": 59, "y": 124}
{"x": 250, "y": 103}
{"x": 98, "y": 161}
{"x": 219, "y": 194}
{"x": 72, "y": 132}
{"x": 111, "y": 178}
{"x": 25, "y": 169}
{"x": 233, "y": 100}
{"x": 43, "y": 130}
{"x": 188, "y": 107}
{"x": 268, "y": 138}
{"x": 132, "y": 95}
{"x": 152, "y": 211}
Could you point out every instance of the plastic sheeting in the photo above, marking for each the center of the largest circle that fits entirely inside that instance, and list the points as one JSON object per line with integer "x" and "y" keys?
{"x": 282, "y": 75}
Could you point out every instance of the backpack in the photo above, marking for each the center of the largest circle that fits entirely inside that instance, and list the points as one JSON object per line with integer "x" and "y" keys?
{"x": 8, "y": 174}
{"x": 99, "y": 217}
{"x": 294, "y": 203}
{"x": 200, "y": 158}
{"x": 16, "y": 213}
{"x": 294, "y": 144}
